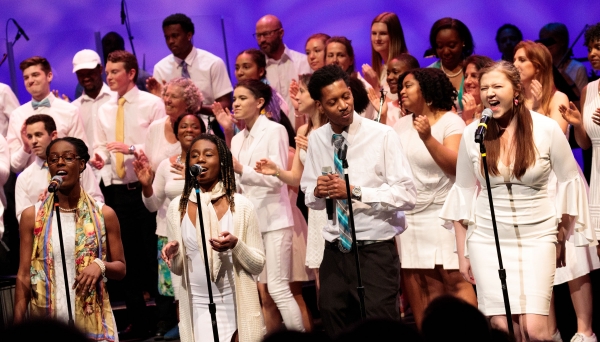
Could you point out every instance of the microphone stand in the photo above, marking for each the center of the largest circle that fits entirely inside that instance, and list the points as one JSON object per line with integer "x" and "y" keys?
{"x": 360, "y": 288}
{"x": 570, "y": 50}
{"x": 380, "y": 105}
{"x": 64, "y": 263}
{"x": 125, "y": 18}
{"x": 212, "y": 308}
{"x": 501, "y": 271}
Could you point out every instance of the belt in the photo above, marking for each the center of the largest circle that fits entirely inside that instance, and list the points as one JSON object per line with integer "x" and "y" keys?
{"x": 129, "y": 186}
{"x": 360, "y": 243}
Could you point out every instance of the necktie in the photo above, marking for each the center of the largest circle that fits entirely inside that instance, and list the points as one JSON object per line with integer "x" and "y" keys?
{"x": 44, "y": 103}
{"x": 184, "y": 70}
{"x": 345, "y": 241}
{"x": 120, "y": 137}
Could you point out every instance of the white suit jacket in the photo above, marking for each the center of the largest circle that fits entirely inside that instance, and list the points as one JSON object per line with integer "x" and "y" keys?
{"x": 266, "y": 139}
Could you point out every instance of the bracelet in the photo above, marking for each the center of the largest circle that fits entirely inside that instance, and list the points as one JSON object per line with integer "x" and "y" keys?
{"x": 102, "y": 266}
{"x": 277, "y": 173}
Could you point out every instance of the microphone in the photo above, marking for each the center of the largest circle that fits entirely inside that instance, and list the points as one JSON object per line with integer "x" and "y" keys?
{"x": 55, "y": 183}
{"x": 196, "y": 169}
{"x": 482, "y": 127}
{"x": 326, "y": 170}
{"x": 20, "y": 29}
{"x": 123, "y": 16}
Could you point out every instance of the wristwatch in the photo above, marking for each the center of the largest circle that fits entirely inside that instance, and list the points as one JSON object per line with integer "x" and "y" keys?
{"x": 131, "y": 149}
{"x": 357, "y": 193}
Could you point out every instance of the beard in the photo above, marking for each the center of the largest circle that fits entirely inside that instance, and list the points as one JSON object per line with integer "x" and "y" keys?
{"x": 270, "y": 48}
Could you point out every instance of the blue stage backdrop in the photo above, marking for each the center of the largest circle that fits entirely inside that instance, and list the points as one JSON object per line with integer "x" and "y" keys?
{"x": 59, "y": 28}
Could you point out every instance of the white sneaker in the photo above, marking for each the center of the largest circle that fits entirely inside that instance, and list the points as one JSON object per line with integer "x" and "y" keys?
{"x": 582, "y": 338}
{"x": 556, "y": 337}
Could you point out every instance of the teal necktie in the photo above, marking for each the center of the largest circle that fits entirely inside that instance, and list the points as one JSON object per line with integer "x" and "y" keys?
{"x": 345, "y": 241}
{"x": 44, "y": 103}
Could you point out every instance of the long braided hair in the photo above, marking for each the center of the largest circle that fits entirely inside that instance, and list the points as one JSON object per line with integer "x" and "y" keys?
{"x": 227, "y": 176}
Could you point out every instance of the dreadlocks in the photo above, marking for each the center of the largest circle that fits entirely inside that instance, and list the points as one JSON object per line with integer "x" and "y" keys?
{"x": 227, "y": 176}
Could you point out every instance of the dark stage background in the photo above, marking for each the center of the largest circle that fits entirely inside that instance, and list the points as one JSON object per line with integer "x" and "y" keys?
{"x": 60, "y": 28}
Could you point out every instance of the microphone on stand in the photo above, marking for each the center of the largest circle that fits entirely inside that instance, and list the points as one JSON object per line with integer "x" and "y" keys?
{"x": 326, "y": 170}
{"x": 123, "y": 16}
{"x": 482, "y": 127}
{"x": 196, "y": 169}
{"x": 20, "y": 30}
{"x": 55, "y": 183}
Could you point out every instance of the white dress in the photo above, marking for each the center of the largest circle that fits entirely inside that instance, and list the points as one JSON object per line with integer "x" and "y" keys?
{"x": 526, "y": 218}
{"x": 426, "y": 242}
{"x": 68, "y": 234}
{"x": 315, "y": 243}
{"x": 223, "y": 290}
{"x": 592, "y": 102}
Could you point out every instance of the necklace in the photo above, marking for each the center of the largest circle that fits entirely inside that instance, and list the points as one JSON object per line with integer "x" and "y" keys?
{"x": 178, "y": 161}
{"x": 450, "y": 75}
{"x": 68, "y": 210}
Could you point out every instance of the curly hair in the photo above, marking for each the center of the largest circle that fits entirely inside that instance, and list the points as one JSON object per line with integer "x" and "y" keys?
{"x": 191, "y": 94}
{"x": 325, "y": 76}
{"x": 226, "y": 174}
{"x": 435, "y": 87}
{"x": 178, "y": 18}
{"x": 360, "y": 95}
{"x": 258, "y": 89}
{"x": 180, "y": 117}
{"x": 592, "y": 35}
{"x": 80, "y": 148}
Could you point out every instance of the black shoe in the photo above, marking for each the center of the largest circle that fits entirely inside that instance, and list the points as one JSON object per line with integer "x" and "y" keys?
{"x": 131, "y": 333}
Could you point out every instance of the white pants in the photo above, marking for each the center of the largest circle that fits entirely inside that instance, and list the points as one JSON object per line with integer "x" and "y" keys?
{"x": 278, "y": 249}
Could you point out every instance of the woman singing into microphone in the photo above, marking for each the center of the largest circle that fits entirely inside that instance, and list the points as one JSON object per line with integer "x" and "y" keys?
{"x": 93, "y": 250}
{"x": 236, "y": 253}
{"x": 523, "y": 148}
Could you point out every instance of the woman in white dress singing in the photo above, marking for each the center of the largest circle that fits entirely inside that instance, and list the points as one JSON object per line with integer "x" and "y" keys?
{"x": 430, "y": 139}
{"x": 236, "y": 253}
{"x": 523, "y": 148}
{"x": 92, "y": 246}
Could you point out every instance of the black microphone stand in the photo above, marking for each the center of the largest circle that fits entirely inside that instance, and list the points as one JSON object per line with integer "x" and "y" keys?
{"x": 570, "y": 49}
{"x": 64, "y": 263}
{"x": 212, "y": 308}
{"x": 360, "y": 288}
{"x": 125, "y": 19}
{"x": 501, "y": 271}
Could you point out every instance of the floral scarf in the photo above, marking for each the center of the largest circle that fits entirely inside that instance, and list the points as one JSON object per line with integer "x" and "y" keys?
{"x": 92, "y": 311}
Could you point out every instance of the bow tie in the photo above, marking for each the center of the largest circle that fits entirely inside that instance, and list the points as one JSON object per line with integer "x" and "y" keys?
{"x": 44, "y": 103}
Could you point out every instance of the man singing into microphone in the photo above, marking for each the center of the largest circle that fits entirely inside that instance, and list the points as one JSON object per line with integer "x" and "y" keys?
{"x": 381, "y": 189}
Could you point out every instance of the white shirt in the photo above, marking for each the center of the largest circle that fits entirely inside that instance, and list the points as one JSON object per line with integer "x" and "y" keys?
{"x": 4, "y": 173}
{"x": 376, "y": 164}
{"x": 88, "y": 109}
{"x": 578, "y": 74}
{"x": 207, "y": 71}
{"x": 34, "y": 180}
{"x": 280, "y": 74}
{"x": 157, "y": 146}
{"x": 164, "y": 189}
{"x": 141, "y": 109}
{"x": 8, "y": 103}
{"x": 68, "y": 124}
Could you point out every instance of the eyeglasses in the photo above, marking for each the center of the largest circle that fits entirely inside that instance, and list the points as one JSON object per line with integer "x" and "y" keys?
{"x": 266, "y": 34}
{"x": 69, "y": 158}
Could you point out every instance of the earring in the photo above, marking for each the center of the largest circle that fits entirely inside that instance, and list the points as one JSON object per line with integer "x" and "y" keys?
{"x": 428, "y": 103}
{"x": 263, "y": 112}
{"x": 516, "y": 101}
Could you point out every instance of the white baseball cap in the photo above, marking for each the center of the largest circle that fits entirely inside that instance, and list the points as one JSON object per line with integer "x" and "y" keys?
{"x": 86, "y": 59}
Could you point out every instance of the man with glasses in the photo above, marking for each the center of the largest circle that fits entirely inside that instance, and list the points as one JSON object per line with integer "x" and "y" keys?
{"x": 40, "y": 130}
{"x": 283, "y": 63}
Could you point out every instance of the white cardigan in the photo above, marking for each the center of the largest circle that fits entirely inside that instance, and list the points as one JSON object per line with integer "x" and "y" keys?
{"x": 248, "y": 260}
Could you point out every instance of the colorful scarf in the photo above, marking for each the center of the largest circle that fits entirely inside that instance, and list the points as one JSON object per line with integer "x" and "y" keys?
{"x": 92, "y": 311}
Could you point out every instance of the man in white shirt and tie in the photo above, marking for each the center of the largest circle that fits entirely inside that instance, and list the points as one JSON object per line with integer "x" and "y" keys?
{"x": 207, "y": 71}
{"x": 37, "y": 75}
{"x": 40, "y": 131}
{"x": 8, "y": 103}
{"x": 120, "y": 131}
{"x": 381, "y": 189}
{"x": 283, "y": 63}
{"x": 88, "y": 68}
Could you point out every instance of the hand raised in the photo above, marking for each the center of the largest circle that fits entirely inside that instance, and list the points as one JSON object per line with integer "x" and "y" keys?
{"x": 421, "y": 124}
{"x": 154, "y": 87}
{"x": 571, "y": 114}
{"x": 370, "y": 76}
{"x": 97, "y": 162}
{"x": 266, "y": 167}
